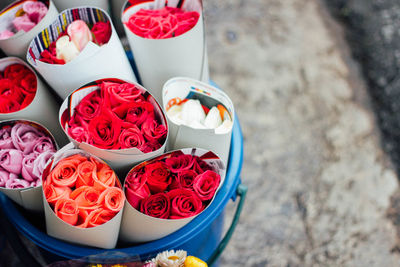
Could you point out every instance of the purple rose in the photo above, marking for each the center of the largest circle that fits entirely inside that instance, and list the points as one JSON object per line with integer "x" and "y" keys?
{"x": 11, "y": 160}
{"x": 40, "y": 163}
{"x": 24, "y": 137}
{"x": 5, "y": 138}
{"x": 13, "y": 183}
{"x": 27, "y": 167}
{"x": 44, "y": 144}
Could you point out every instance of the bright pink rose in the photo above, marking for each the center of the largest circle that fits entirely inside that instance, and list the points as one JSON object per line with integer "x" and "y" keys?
{"x": 23, "y": 23}
{"x": 118, "y": 93}
{"x": 36, "y": 10}
{"x": 136, "y": 189}
{"x": 205, "y": 185}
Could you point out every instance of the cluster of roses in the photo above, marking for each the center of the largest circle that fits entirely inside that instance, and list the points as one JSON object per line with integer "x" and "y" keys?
{"x": 175, "y": 187}
{"x": 24, "y": 151}
{"x": 83, "y": 191}
{"x": 117, "y": 116}
{"x": 31, "y": 13}
{"x": 163, "y": 23}
{"x": 70, "y": 43}
{"x": 17, "y": 88}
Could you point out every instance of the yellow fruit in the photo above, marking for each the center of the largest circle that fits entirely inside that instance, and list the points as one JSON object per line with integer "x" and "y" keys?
{"x": 194, "y": 262}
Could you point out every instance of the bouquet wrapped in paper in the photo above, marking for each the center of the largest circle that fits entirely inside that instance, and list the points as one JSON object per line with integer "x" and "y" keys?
{"x": 118, "y": 121}
{"x": 21, "y": 21}
{"x": 23, "y": 95}
{"x": 66, "y": 4}
{"x": 78, "y": 47}
{"x": 167, "y": 40}
{"x": 167, "y": 192}
{"x": 83, "y": 199}
{"x": 25, "y": 148}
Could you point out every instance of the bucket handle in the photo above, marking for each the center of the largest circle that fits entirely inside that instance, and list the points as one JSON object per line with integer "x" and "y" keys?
{"x": 241, "y": 192}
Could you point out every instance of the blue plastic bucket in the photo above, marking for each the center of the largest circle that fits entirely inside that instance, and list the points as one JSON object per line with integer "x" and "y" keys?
{"x": 201, "y": 237}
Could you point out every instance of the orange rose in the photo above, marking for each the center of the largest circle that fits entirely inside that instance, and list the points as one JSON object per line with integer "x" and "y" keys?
{"x": 54, "y": 193}
{"x": 97, "y": 217}
{"x": 67, "y": 210}
{"x": 112, "y": 199}
{"x": 86, "y": 197}
{"x": 85, "y": 172}
{"x": 104, "y": 178}
{"x": 64, "y": 173}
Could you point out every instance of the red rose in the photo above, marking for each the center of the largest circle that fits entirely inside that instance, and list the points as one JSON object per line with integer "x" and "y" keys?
{"x": 136, "y": 189}
{"x": 140, "y": 112}
{"x": 117, "y": 93}
{"x": 205, "y": 185}
{"x": 186, "y": 178}
{"x": 16, "y": 71}
{"x": 102, "y": 32}
{"x": 105, "y": 130}
{"x": 153, "y": 131}
{"x": 180, "y": 163}
{"x": 150, "y": 146}
{"x": 131, "y": 137}
{"x": 200, "y": 165}
{"x": 29, "y": 84}
{"x": 90, "y": 106}
{"x": 9, "y": 90}
{"x": 47, "y": 57}
{"x": 184, "y": 203}
{"x": 27, "y": 100}
{"x": 158, "y": 176}
{"x": 157, "y": 205}
{"x": 8, "y": 106}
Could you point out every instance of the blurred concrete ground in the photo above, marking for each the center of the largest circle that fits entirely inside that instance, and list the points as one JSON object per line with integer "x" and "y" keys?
{"x": 319, "y": 182}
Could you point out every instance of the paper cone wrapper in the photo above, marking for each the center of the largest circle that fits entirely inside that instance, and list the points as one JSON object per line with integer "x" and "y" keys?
{"x": 93, "y": 62}
{"x": 66, "y": 4}
{"x": 29, "y": 198}
{"x": 18, "y": 44}
{"x": 139, "y": 227}
{"x": 120, "y": 160}
{"x": 43, "y": 108}
{"x": 181, "y": 136}
{"x": 158, "y": 60}
{"x": 102, "y": 236}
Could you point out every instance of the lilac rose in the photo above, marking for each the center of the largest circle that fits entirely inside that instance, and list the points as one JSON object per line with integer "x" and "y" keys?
{"x": 11, "y": 160}
{"x": 24, "y": 137}
{"x": 5, "y": 138}
{"x": 44, "y": 144}
{"x": 14, "y": 183}
{"x": 27, "y": 167}
{"x": 40, "y": 163}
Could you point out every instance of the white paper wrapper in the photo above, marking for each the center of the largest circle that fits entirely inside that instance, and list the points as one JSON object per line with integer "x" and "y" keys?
{"x": 181, "y": 136}
{"x": 93, "y": 62}
{"x": 102, "y": 236}
{"x": 30, "y": 198}
{"x": 66, "y": 4}
{"x": 139, "y": 227}
{"x": 43, "y": 108}
{"x": 18, "y": 44}
{"x": 120, "y": 160}
{"x": 158, "y": 60}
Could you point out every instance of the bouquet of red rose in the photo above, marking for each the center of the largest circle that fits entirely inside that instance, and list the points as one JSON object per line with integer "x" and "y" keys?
{"x": 175, "y": 186}
{"x": 167, "y": 40}
{"x": 23, "y": 95}
{"x": 109, "y": 116}
{"x": 17, "y": 88}
{"x": 84, "y": 193}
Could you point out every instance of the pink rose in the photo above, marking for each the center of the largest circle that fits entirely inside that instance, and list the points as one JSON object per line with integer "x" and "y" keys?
{"x": 90, "y": 105}
{"x": 17, "y": 183}
{"x": 79, "y": 33}
{"x": 5, "y": 138}
{"x": 36, "y": 10}
{"x": 44, "y": 144}
{"x": 136, "y": 189}
{"x": 11, "y": 160}
{"x": 5, "y": 176}
{"x": 79, "y": 134}
{"x": 24, "y": 137}
{"x": 27, "y": 167}
{"x": 23, "y": 23}
{"x": 117, "y": 93}
{"x": 205, "y": 184}
{"x": 131, "y": 137}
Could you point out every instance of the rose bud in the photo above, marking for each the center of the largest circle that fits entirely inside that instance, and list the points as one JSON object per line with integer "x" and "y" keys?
{"x": 80, "y": 34}
{"x": 65, "y": 49}
{"x": 213, "y": 119}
